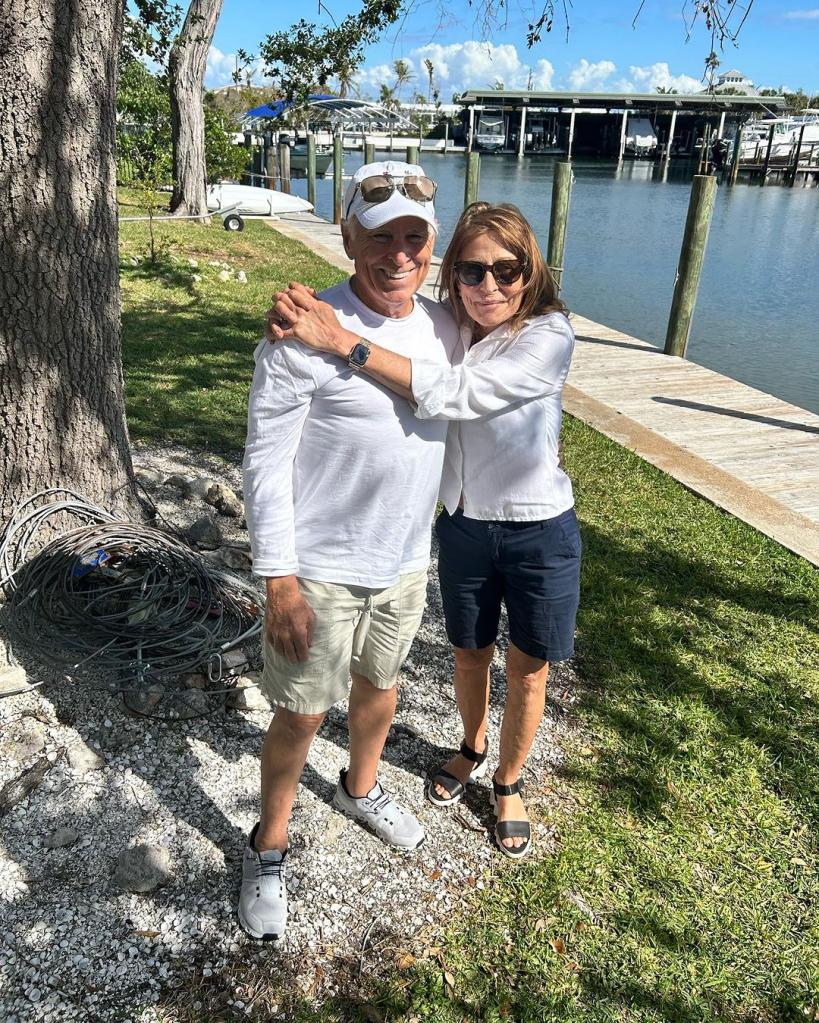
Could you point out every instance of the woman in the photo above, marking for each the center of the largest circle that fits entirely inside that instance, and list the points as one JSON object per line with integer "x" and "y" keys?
{"x": 508, "y": 532}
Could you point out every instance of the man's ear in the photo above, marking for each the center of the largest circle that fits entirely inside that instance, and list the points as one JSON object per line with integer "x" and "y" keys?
{"x": 346, "y": 238}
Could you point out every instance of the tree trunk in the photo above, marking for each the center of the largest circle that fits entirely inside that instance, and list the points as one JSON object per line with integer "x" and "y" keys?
{"x": 187, "y": 65}
{"x": 62, "y": 416}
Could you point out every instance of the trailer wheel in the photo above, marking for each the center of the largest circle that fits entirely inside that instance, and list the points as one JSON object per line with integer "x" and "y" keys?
{"x": 233, "y": 222}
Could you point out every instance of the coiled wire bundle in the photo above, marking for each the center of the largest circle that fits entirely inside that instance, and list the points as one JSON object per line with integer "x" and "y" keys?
{"x": 118, "y": 596}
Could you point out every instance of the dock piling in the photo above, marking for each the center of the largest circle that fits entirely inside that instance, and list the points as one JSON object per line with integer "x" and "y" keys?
{"x": 473, "y": 177}
{"x": 767, "y": 164}
{"x": 796, "y": 157}
{"x": 311, "y": 169}
{"x": 412, "y": 155}
{"x": 270, "y": 164}
{"x": 369, "y": 152}
{"x": 284, "y": 166}
{"x": 732, "y": 177}
{"x": 692, "y": 253}
{"x": 561, "y": 192}
{"x": 338, "y": 159}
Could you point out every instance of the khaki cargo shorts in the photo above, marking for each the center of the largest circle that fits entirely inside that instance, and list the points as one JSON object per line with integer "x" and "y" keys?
{"x": 368, "y": 632}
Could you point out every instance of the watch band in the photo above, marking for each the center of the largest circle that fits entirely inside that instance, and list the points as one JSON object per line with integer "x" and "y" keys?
{"x": 359, "y": 354}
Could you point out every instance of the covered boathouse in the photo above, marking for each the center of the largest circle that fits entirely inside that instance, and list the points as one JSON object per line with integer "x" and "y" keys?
{"x": 600, "y": 124}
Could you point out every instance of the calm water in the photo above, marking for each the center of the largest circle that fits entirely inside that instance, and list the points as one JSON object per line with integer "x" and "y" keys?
{"x": 757, "y": 314}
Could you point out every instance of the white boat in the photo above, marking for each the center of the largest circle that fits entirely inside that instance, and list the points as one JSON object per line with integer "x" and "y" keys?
{"x": 641, "y": 139}
{"x": 490, "y": 134}
{"x": 234, "y": 202}
{"x": 786, "y": 132}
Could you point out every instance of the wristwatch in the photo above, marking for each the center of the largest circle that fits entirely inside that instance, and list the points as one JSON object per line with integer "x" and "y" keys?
{"x": 359, "y": 354}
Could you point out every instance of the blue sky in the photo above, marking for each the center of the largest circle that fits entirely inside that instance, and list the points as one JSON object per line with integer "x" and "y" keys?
{"x": 778, "y": 46}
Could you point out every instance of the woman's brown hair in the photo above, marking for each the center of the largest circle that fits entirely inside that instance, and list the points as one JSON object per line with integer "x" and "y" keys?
{"x": 509, "y": 228}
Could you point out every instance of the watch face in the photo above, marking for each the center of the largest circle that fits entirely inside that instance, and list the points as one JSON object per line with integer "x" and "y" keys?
{"x": 359, "y": 355}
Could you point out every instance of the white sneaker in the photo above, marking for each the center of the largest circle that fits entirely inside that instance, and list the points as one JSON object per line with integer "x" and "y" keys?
{"x": 381, "y": 814}
{"x": 263, "y": 896}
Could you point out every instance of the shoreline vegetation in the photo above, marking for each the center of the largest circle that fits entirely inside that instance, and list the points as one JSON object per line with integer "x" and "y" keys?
{"x": 684, "y": 886}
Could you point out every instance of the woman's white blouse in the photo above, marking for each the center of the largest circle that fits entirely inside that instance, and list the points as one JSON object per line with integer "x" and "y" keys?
{"x": 503, "y": 395}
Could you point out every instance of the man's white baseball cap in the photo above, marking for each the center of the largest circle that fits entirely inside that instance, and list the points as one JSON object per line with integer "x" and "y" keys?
{"x": 375, "y": 214}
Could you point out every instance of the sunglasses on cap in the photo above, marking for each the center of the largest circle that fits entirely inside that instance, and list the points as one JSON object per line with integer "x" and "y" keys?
{"x": 505, "y": 271}
{"x": 380, "y": 187}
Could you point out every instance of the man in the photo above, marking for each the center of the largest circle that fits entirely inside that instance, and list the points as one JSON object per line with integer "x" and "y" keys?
{"x": 340, "y": 483}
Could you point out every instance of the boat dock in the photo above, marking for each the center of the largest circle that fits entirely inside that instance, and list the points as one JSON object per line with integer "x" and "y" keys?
{"x": 747, "y": 452}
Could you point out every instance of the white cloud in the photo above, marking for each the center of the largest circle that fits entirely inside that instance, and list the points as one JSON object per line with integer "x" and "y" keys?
{"x": 810, "y": 15}
{"x": 369, "y": 80}
{"x": 591, "y": 77}
{"x": 461, "y": 66}
{"x": 650, "y": 77}
{"x": 477, "y": 65}
{"x": 221, "y": 66}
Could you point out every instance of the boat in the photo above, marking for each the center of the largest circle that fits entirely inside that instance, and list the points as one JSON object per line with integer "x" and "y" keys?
{"x": 641, "y": 139}
{"x": 490, "y": 133}
{"x": 786, "y": 133}
{"x": 233, "y": 203}
{"x": 298, "y": 155}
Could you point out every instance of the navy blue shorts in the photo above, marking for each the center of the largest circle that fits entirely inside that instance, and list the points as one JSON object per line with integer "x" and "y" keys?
{"x": 532, "y": 567}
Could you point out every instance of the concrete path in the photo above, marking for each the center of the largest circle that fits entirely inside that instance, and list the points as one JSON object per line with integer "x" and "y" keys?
{"x": 749, "y": 453}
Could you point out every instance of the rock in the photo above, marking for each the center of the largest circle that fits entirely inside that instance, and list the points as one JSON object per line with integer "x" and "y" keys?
{"x": 191, "y": 703}
{"x": 13, "y": 679}
{"x": 196, "y": 680}
{"x": 335, "y": 826}
{"x": 143, "y": 868}
{"x": 204, "y": 532}
{"x": 233, "y": 557}
{"x": 224, "y": 275}
{"x": 149, "y": 478}
{"x": 246, "y": 695}
{"x": 29, "y": 738}
{"x": 235, "y": 658}
{"x": 241, "y": 277}
{"x": 224, "y": 500}
{"x": 143, "y": 702}
{"x": 198, "y": 486}
{"x": 60, "y": 838}
{"x": 193, "y": 263}
{"x": 84, "y": 759}
{"x": 196, "y": 278}
{"x": 178, "y": 481}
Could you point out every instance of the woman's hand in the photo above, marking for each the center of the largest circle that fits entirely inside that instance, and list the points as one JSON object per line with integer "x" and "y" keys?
{"x": 297, "y": 313}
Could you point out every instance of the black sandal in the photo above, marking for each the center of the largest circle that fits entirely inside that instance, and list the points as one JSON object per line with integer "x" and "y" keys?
{"x": 454, "y": 786}
{"x": 510, "y": 829}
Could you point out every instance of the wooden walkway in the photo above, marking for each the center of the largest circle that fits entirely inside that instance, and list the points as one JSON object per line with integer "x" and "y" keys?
{"x": 749, "y": 453}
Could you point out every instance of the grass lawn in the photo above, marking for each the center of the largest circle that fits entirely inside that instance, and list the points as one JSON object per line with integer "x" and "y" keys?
{"x": 685, "y": 886}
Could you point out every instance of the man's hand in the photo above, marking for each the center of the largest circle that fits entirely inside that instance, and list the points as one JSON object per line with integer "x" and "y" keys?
{"x": 289, "y": 619}
{"x": 297, "y": 313}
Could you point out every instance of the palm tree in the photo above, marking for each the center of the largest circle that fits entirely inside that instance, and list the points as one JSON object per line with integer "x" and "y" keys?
{"x": 430, "y": 72}
{"x": 403, "y": 75}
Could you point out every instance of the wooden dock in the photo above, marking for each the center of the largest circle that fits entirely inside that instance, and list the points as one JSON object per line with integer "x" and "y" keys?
{"x": 749, "y": 453}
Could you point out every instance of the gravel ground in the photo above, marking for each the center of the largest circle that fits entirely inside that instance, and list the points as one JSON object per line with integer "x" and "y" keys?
{"x": 75, "y": 946}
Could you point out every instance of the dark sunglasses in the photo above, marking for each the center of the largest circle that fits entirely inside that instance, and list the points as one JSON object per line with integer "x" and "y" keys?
{"x": 381, "y": 186}
{"x": 505, "y": 271}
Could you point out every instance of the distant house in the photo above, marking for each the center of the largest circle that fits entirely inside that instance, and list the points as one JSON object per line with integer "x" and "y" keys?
{"x": 734, "y": 81}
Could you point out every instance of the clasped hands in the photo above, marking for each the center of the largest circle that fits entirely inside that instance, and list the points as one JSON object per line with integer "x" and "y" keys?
{"x": 298, "y": 313}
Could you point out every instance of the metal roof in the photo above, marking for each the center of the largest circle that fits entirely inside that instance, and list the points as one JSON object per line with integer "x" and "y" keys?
{"x": 621, "y": 100}
{"x": 339, "y": 112}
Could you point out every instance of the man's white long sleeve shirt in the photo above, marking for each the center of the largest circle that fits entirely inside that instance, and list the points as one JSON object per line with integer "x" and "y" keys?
{"x": 340, "y": 476}
{"x": 503, "y": 397}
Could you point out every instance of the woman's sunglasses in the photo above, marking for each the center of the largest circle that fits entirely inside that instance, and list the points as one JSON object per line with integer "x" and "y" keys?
{"x": 381, "y": 186}
{"x": 505, "y": 271}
